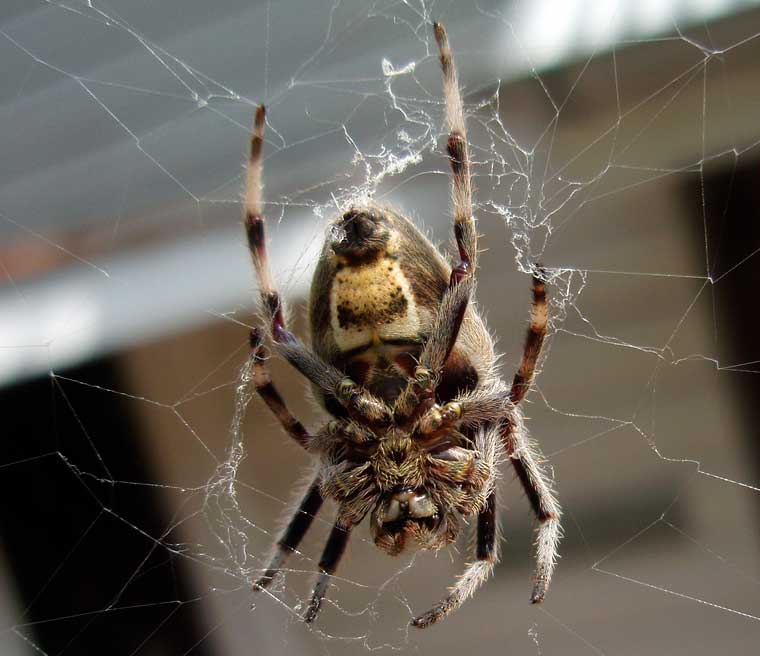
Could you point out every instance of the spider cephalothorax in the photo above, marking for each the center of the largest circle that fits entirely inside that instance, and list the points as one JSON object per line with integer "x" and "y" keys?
{"x": 403, "y": 362}
{"x": 413, "y": 488}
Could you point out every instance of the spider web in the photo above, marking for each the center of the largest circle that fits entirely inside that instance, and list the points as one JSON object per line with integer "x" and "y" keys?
{"x": 128, "y": 123}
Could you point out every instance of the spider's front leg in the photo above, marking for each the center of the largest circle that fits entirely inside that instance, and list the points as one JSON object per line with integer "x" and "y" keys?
{"x": 539, "y": 319}
{"x": 268, "y": 392}
{"x": 526, "y": 460}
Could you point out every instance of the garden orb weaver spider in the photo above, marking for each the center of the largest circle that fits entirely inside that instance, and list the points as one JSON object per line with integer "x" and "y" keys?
{"x": 403, "y": 362}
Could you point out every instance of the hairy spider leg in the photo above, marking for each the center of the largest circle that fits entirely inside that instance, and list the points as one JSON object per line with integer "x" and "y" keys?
{"x": 494, "y": 407}
{"x": 539, "y": 315}
{"x": 459, "y": 159}
{"x": 456, "y": 299}
{"x": 419, "y": 393}
{"x": 525, "y": 458}
{"x": 354, "y": 398}
{"x": 482, "y": 406}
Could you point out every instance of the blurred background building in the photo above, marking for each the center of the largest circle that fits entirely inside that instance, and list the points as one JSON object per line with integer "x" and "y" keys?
{"x": 619, "y": 143}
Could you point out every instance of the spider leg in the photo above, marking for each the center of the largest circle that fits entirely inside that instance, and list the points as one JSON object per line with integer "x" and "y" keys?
{"x": 356, "y": 400}
{"x": 455, "y": 304}
{"x": 291, "y": 538}
{"x": 456, "y": 299}
{"x": 461, "y": 283}
{"x": 437, "y": 349}
{"x": 446, "y": 326}
{"x": 539, "y": 315}
{"x": 526, "y": 458}
{"x": 328, "y": 563}
{"x": 456, "y": 146}
{"x": 268, "y": 392}
{"x": 254, "y": 227}
{"x": 476, "y": 573}
{"x": 484, "y": 406}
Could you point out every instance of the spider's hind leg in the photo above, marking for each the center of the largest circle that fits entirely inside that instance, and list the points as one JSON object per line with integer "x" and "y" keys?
{"x": 268, "y": 392}
{"x": 255, "y": 228}
{"x": 456, "y": 299}
{"x": 256, "y": 232}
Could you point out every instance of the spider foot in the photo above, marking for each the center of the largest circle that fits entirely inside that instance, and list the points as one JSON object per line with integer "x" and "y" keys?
{"x": 539, "y": 591}
{"x": 313, "y": 610}
{"x": 266, "y": 580}
{"x": 320, "y": 589}
{"x": 437, "y": 612}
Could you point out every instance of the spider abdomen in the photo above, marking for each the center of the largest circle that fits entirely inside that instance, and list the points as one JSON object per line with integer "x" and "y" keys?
{"x": 376, "y": 323}
{"x": 375, "y": 294}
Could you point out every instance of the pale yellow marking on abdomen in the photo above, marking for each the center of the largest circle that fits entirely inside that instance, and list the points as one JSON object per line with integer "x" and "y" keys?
{"x": 371, "y": 303}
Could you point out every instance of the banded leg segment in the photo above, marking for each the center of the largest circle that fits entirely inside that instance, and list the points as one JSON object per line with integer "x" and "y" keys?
{"x": 333, "y": 552}
{"x": 256, "y": 232}
{"x": 454, "y": 303}
{"x": 268, "y": 392}
{"x": 461, "y": 283}
{"x": 539, "y": 317}
{"x": 356, "y": 400}
{"x": 291, "y": 538}
{"x": 459, "y": 159}
{"x": 476, "y": 573}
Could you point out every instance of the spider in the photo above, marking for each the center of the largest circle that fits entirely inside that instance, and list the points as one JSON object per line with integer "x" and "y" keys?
{"x": 403, "y": 362}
